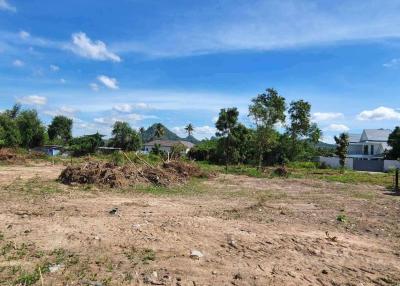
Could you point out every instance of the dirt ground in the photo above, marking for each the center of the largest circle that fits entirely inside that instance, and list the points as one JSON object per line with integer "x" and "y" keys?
{"x": 249, "y": 231}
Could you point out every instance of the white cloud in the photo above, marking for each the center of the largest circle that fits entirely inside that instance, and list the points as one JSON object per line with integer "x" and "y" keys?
{"x": 63, "y": 81}
{"x": 54, "y": 68}
{"x": 63, "y": 110}
{"x": 33, "y": 100}
{"x": 336, "y": 128}
{"x": 18, "y": 63}
{"x": 109, "y": 82}
{"x": 131, "y": 118}
{"x": 325, "y": 116}
{"x": 97, "y": 50}
{"x": 126, "y": 107}
{"x": 24, "y": 34}
{"x": 392, "y": 63}
{"x": 380, "y": 113}
{"x": 94, "y": 86}
{"x": 4, "y": 5}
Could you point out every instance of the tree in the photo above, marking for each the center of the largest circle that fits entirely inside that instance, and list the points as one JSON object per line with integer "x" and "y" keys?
{"x": 189, "y": 129}
{"x": 14, "y": 111}
{"x": 60, "y": 129}
{"x": 342, "y": 143}
{"x": 267, "y": 109}
{"x": 301, "y": 127}
{"x": 125, "y": 137}
{"x": 227, "y": 121}
{"x": 9, "y": 134}
{"x": 159, "y": 131}
{"x": 242, "y": 137}
{"x": 394, "y": 142}
{"x": 31, "y": 129}
{"x": 177, "y": 150}
{"x": 86, "y": 144}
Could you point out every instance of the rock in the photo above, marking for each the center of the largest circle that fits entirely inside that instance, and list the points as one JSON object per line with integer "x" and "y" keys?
{"x": 232, "y": 242}
{"x": 237, "y": 276}
{"x": 155, "y": 274}
{"x": 324, "y": 271}
{"x": 55, "y": 268}
{"x": 195, "y": 254}
{"x": 214, "y": 272}
{"x": 113, "y": 211}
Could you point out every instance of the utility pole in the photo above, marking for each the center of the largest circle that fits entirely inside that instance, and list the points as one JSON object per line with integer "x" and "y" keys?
{"x": 396, "y": 181}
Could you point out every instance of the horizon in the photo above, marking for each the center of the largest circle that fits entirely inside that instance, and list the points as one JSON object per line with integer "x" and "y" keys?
{"x": 177, "y": 63}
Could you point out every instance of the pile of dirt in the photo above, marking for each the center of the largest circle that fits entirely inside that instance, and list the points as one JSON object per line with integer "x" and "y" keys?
{"x": 10, "y": 156}
{"x": 112, "y": 175}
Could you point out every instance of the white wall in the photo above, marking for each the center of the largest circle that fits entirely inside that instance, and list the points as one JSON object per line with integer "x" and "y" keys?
{"x": 390, "y": 164}
{"x": 333, "y": 162}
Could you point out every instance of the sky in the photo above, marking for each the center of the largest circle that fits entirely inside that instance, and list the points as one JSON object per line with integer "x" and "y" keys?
{"x": 181, "y": 61}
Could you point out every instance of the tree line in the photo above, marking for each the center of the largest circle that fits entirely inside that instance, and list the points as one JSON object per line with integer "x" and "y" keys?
{"x": 263, "y": 144}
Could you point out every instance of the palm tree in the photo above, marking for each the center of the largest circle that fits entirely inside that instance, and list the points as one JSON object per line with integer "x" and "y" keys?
{"x": 189, "y": 129}
{"x": 159, "y": 131}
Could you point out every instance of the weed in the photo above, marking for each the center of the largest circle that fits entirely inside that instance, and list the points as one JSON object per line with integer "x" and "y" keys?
{"x": 143, "y": 256}
{"x": 341, "y": 218}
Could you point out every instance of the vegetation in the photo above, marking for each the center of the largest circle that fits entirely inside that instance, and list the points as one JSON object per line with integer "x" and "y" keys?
{"x": 125, "y": 137}
{"x": 60, "y": 129}
{"x": 394, "y": 142}
{"x": 341, "y": 150}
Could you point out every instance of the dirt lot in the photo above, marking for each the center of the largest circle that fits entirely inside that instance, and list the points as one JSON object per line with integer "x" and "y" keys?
{"x": 250, "y": 232}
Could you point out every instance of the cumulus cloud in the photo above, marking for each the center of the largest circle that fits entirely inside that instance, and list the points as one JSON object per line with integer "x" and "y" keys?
{"x": 63, "y": 110}
{"x": 4, "y": 5}
{"x": 336, "y": 128}
{"x": 24, "y": 34}
{"x": 18, "y": 63}
{"x": 132, "y": 118}
{"x": 392, "y": 63}
{"x": 126, "y": 107}
{"x": 96, "y": 50}
{"x": 54, "y": 68}
{"x": 380, "y": 113}
{"x": 109, "y": 82}
{"x": 325, "y": 116}
{"x": 33, "y": 100}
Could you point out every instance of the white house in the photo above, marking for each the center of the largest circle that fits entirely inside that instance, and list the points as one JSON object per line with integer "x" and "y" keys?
{"x": 370, "y": 144}
{"x": 166, "y": 145}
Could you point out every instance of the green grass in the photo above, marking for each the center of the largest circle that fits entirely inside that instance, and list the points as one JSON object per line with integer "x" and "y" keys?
{"x": 192, "y": 187}
{"x": 307, "y": 170}
{"x": 140, "y": 256}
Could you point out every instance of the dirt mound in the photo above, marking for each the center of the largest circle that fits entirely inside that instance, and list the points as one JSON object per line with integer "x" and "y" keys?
{"x": 10, "y": 156}
{"x": 112, "y": 175}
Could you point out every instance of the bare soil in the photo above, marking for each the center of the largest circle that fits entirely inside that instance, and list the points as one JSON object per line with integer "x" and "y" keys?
{"x": 250, "y": 231}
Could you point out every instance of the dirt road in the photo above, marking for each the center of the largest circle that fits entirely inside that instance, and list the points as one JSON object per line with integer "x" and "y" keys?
{"x": 248, "y": 231}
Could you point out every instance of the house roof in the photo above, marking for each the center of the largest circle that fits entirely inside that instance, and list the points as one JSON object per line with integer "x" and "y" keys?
{"x": 169, "y": 143}
{"x": 376, "y": 134}
{"x": 354, "y": 138}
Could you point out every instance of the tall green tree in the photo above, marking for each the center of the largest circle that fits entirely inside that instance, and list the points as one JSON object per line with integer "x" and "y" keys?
{"x": 60, "y": 129}
{"x": 189, "y": 129}
{"x": 227, "y": 121}
{"x": 125, "y": 137}
{"x": 301, "y": 126}
{"x": 159, "y": 131}
{"x": 86, "y": 144}
{"x": 9, "y": 135}
{"x": 14, "y": 111}
{"x": 394, "y": 142}
{"x": 342, "y": 144}
{"x": 31, "y": 129}
{"x": 267, "y": 109}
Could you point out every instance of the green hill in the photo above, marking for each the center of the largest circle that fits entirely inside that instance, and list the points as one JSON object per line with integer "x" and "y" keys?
{"x": 148, "y": 135}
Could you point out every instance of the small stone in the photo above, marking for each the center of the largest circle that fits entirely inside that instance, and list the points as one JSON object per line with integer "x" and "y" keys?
{"x": 113, "y": 211}
{"x": 214, "y": 272}
{"x": 324, "y": 271}
{"x": 155, "y": 274}
{"x": 195, "y": 254}
{"x": 55, "y": 268}
{"x": 237, "y": 276}
{"x": 96, "y": 238}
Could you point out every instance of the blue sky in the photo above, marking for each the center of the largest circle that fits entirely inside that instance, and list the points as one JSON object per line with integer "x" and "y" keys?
{"x": 180, "y": 61}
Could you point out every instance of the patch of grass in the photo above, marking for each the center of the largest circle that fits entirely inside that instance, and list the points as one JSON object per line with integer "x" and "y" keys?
{"x": 192, "y": 187}
{"x": 34, "y": 186}
{"x": 30, "y": 278}
{"x": 140, "y": 256}
{"x": 342, "y": 218}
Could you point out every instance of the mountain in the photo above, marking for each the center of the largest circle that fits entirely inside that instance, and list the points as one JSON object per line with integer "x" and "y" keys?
{"x": 324, "y": 145}
{"x": 148, "y": 135}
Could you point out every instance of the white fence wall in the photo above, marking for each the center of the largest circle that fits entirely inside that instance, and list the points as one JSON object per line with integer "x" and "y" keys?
{"x": 390, "y": 164}
{"x": 333, "y": 162}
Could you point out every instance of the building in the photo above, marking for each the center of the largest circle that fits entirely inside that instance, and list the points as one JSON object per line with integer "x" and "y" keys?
{"x": 371, "y": 144}
{"x": 50, "y": 150}
{"x": 166, "y": 145}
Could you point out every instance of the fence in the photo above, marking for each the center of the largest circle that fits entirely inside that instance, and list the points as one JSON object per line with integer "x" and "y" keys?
{"x": 361, "y": 165}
